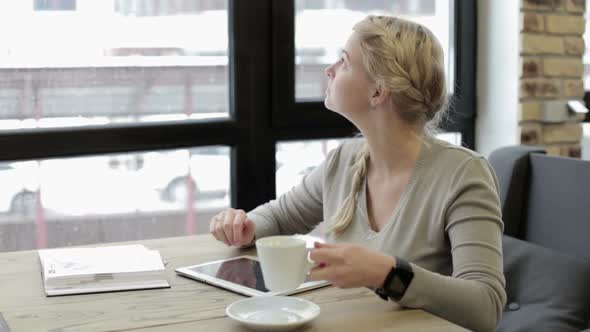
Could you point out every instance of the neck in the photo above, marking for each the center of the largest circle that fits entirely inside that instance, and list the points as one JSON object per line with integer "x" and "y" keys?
{"x": 394, "y": 146}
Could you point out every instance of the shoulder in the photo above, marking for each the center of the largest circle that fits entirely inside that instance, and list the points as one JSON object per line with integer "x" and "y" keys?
{"x": 453, "y": 156}
{"x": 455, "y": 162}
{"x": 452, "y": 152}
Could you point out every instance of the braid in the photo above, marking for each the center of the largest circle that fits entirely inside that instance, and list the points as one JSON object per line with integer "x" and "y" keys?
{"x": 405, "y": 58}
{"x": 343, "y": 217}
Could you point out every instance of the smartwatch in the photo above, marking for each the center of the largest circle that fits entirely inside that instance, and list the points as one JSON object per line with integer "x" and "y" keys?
{"x": 397, "y": 281}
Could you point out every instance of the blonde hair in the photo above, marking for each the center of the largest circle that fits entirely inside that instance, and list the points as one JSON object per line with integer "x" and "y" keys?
{"x": 406, "y": 59}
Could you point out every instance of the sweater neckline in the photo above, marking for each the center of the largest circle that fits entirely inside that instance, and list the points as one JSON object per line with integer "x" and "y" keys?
{"x": 414, "y": 175}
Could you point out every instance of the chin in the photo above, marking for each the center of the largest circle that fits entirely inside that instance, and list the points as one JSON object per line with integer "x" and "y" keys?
{"x": 328, "y": 104}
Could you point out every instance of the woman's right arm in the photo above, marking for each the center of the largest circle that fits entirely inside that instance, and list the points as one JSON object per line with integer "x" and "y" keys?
{"x": 296, "y": 212}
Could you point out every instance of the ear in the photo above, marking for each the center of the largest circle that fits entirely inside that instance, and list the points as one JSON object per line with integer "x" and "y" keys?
{"x": 378, "y": 95}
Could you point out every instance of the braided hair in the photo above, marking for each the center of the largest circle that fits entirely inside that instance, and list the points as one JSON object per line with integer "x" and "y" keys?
{"x": 406, "y": 59}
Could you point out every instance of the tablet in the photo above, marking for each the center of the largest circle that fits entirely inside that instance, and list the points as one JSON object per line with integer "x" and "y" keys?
{"x": 241, "y": 275}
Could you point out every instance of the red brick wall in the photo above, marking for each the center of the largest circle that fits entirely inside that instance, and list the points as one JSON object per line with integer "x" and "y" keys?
{"x": 551, "y": 53}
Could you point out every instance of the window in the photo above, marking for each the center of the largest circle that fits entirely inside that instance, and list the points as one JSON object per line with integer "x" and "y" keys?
{"x": 158, "y": 7}
{"x": 317, "y": 48}
{"x": 134, "y": 73}
{"x": 118, "y": 67}
{"x": 55, "y": 4}
{"x": 113, "y": 197}
{"x": 296, "y": 159}
{"x": 298, "y": 73}
{"x": 156, "y": 114}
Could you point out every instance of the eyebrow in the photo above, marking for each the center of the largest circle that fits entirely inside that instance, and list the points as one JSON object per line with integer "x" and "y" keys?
{"x": 343, "y": 52}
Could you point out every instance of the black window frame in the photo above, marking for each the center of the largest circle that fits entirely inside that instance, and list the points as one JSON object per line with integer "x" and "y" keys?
{"x": 262, "y": 106}
{"x": 288, "y": 112}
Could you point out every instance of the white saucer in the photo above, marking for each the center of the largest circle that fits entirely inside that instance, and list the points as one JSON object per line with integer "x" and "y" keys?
{"x": 273, "y": 313}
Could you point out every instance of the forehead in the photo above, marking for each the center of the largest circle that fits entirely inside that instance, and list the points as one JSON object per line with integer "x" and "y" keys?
{"x": 352, "y": 48}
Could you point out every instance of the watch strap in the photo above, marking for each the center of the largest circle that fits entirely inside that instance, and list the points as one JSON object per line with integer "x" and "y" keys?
{"x": 401, "y": 273}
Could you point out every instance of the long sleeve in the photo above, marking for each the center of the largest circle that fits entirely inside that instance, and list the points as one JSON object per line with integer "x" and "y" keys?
{"x": 296, "y": 212}
{"x": 474, "y": 296}
{"x": 447, "y": 224}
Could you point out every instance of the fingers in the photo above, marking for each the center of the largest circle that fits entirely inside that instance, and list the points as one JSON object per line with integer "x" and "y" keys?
{"x": 238, "y": 227}
{"x": 327, "y": 255}
{"x": 228, "y": 226}
{"x": 249, "y": 232}
{"x": 216, "y": 226}
{"x": 336, "y": 275}
{"x": 220, "y": 233}
{"x": 232, "y": 227}
{"x": 213, "y": 226}
{"x": 321, "y": 272}
{"x": 326, "y": 245}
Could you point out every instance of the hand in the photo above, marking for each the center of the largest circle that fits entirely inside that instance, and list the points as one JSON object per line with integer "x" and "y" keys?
{"x": 348, "y": 265}
{"x": 232, "y": 227}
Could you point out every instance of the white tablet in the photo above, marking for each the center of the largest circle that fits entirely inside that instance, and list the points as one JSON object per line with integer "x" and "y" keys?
{"x": 239, "y": 274}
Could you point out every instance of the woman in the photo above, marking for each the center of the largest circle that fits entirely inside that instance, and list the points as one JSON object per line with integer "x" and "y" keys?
{"x": 412, "y": 217}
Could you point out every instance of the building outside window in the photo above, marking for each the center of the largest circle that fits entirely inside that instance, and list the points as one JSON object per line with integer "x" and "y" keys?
{"x": 133, "y": 119}
{"x": 55, "y": 5}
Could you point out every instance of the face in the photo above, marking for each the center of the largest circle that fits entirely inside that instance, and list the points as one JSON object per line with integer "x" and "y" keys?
{"x": 349, "y": 85}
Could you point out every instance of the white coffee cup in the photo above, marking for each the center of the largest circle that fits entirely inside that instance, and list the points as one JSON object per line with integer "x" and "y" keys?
{"x": 284, "y": 261}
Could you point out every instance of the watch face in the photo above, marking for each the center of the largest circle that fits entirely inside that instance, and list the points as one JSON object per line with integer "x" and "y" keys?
{"x": 397, "y": 285}
{"x": 397, "y": 281}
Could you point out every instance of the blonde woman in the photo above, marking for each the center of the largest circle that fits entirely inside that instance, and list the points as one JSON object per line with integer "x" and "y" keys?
{"x": 412, "y": 217}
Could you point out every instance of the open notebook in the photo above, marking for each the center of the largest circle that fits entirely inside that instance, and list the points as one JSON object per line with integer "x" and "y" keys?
{"x": 101, "y": 269}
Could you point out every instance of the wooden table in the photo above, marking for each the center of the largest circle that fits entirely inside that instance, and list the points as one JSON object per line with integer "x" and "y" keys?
{"x": 188, "y": 305}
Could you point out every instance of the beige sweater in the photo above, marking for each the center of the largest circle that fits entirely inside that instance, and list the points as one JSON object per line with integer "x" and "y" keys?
{"x": 447, "y": 224}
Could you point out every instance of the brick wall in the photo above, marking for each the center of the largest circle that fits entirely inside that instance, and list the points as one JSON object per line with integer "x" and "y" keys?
{"x": 551, "y": 53}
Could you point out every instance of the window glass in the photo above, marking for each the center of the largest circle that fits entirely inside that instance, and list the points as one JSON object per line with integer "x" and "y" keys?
{"x": 322, "y": 27}
{"x": 55, "y": 4}
{"x": 295, "y": 159}
{"x": 87, "y": 62}
{"x": 114, "y": 197}
{"x": 452, "y": 137}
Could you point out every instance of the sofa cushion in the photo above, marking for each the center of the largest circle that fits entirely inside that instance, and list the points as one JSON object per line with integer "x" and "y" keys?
{"x": 547, "y": 290}
{"x": 557, "y": 217}
{"x": 512, "y": 167}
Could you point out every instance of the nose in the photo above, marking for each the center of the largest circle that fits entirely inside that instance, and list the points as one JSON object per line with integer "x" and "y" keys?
{"x": 329, "y": 71}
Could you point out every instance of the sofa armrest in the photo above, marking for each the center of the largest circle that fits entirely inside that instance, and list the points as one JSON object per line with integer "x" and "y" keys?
{"x": 512, "y": 166}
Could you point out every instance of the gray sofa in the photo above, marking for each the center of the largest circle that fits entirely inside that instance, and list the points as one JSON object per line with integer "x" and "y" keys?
{"x": 545, "y": 204}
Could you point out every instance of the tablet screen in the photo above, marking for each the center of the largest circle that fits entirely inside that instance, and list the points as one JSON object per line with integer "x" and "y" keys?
{"x": 242, "y": 271}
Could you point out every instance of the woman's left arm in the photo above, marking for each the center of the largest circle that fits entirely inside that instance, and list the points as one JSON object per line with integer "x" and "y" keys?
{"x": 474, "y": 296}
